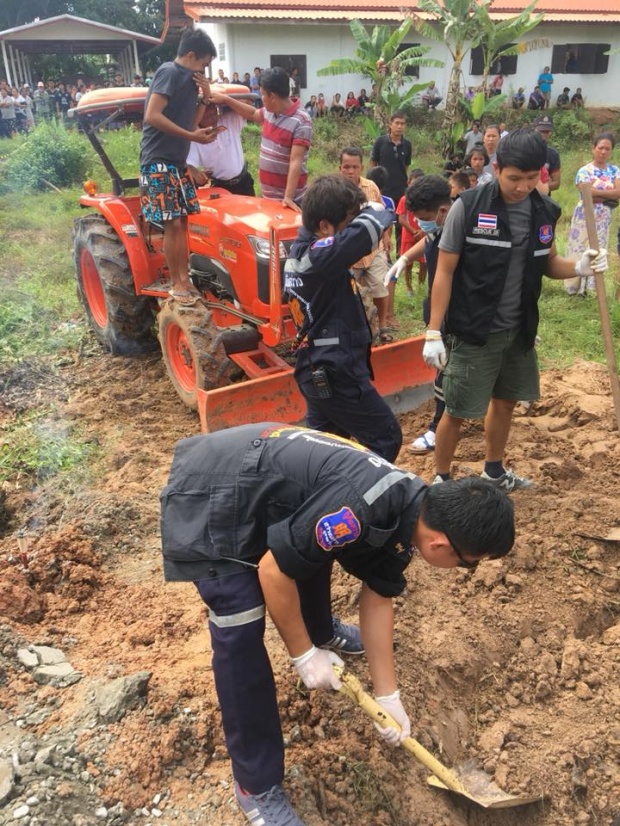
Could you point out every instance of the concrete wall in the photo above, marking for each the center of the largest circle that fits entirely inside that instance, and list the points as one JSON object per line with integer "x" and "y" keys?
{"x": 251, "y": 44}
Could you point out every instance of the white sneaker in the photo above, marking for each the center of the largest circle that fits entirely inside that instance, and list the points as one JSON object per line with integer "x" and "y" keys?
{"x": 423, "y": 444}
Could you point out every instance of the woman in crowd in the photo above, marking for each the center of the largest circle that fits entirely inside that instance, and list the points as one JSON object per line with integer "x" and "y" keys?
{"x": 490, "y": 139}
{"x": 351, "y": 104}
{"x": 605, "y": 180}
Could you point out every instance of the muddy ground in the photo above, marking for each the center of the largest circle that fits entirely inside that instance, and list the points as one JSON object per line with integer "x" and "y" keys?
{"x": 516, "y": 665}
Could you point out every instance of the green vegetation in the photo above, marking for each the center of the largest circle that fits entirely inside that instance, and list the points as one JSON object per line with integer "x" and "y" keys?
{"x": 36, "y": 446}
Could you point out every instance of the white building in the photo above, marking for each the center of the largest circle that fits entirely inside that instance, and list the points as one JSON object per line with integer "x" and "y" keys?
{"x": 309, "y": 34}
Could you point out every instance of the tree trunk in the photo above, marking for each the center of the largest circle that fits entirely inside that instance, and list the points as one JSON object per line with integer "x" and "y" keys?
{"x": 451, "y": 113}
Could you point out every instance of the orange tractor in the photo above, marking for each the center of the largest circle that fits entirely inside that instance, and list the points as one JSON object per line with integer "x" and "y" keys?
{"x": 229, "y": 355}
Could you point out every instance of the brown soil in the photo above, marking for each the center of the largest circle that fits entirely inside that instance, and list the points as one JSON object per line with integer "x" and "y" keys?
{"x": 516, "y": 666}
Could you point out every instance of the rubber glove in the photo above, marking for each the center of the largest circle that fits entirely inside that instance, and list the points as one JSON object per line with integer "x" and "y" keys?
{"x": 396, "y": 270}
{"x": 591, "y": 262}
{"x": 315, "y": 668}
{"x": 377, "y": 206}
{"x": 434, "y": 352}
{"x": 393, "y": 706}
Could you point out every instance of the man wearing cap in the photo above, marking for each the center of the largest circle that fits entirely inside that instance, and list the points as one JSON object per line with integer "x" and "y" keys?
{"x": 544, "y": 125}
{"x": 42, "y": 103}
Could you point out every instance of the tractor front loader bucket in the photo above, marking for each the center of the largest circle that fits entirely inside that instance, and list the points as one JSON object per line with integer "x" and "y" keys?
{"x": 401, "y": 377}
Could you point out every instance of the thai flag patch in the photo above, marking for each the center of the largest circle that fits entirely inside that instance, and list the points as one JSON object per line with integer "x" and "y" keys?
{"x": 487, "y": 221}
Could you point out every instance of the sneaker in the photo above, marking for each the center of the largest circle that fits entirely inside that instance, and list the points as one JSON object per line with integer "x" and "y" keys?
{"x": 271, "y": 808}
{"x": 346, "y": 640}
{"x": 423, "y": 444}
{"x": 509, "y": 481}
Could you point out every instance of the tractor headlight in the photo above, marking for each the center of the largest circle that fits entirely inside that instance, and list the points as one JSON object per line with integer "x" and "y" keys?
{"x": 262, "y": 247}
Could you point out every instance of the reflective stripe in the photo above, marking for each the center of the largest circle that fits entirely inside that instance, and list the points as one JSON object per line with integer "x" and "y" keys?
{"x": 488, "y": 242}
{"x": 541, "y": 252}
{"x": 233, "y": 620}
{"x": 325, "y": 342}
{"x": 380, "y": 487}
{"x": 373, "y": 226}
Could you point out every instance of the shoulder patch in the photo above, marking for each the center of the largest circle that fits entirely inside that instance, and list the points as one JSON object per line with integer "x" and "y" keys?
{"x": 545, "y": 234}
{"x": 323, "y": 242}
{"x": 337, "y": 529}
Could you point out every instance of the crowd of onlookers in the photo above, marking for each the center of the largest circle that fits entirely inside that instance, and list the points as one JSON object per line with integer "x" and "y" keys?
{"x": 22, "y": 107}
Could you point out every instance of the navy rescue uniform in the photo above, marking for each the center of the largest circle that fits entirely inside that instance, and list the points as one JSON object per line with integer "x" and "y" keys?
{"x": 480, "y": 275}
{"x": 335, "y": 337}
{"x": 309, "y": 497}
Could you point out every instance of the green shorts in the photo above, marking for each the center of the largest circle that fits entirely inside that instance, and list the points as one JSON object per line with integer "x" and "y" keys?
{"x": 501, "y": 369}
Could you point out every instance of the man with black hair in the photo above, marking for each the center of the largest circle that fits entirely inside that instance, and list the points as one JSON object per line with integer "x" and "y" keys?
{"x": 429, "y": 200}
{"x": 255, "y": 516}
{"x": 393, "y": 151}
{"x": 286, "y": 137}
{"x": 496, "y": 245}
{"x": 171, "y": 117}
{"x": 333, "y": 368}
{"x": 371, "y": 269}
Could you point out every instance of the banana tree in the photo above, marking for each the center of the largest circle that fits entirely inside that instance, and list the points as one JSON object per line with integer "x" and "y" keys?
{"x": 477, "y": 109}
{"x": 457, "y": 24}
{"x": 379, "y": 56}
{"x": 498, "y": 37}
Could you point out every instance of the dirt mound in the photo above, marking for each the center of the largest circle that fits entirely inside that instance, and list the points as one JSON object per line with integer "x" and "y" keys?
{"x": 515, "y": 665}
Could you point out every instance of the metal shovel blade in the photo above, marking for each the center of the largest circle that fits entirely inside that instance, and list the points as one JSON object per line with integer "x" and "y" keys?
{"x": 470, "y": 782}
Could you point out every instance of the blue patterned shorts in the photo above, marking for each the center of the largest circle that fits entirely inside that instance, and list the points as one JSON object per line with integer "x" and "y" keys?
{"x": 166, "y": 193}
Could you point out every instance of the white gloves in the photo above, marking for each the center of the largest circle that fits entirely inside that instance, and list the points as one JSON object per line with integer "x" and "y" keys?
{"x": 396, "y": 270}
{"x": 393, "y": 706}
{"x": 376, "y": 205}
{"x": 434, "y": 352}
{"x": 591, "y": 262}
{"x": 315, "y": 668}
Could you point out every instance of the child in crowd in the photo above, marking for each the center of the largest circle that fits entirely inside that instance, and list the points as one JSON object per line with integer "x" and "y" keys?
{"x": 472, "y": 175}
{"x": 458, "y": 181}
{"x": 478, "y": 159}
{"x": 411, "y": 234}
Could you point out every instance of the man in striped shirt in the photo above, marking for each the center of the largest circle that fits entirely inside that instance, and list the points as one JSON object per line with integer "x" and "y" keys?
{"x": 286, "y": 137}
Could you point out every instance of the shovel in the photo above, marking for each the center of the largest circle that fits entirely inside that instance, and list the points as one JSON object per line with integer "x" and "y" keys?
{"x": 608, "y": 339}
{"x": 472, "y": 783}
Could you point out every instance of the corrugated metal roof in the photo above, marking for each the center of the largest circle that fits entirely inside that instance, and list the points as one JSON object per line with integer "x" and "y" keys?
{"x": 599, "y": 11}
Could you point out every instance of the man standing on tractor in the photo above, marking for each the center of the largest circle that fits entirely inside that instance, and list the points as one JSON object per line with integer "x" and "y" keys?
{"x": 286, "y": 137}
{"x": 255, "y": 516}
{"x": 171, "y": 120}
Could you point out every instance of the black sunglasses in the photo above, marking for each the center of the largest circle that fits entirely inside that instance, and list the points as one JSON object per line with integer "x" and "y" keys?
{"x": 464, "y": 563}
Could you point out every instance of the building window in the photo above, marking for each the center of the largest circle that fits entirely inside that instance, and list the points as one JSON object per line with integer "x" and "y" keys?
{"x": 289, "y": 62}
{"x": 410, "y": 71}
{"x": 221, "y": 51}
{"x": 504, "y": 65}
{"x": 580, "y": 58}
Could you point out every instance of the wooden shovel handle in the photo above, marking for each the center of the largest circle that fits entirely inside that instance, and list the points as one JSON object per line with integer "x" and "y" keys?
{"x": 351, "y": 686}
{"x": 608, "y": 339}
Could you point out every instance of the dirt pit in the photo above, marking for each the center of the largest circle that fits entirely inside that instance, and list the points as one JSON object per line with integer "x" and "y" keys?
{"x": 515, "y": 666}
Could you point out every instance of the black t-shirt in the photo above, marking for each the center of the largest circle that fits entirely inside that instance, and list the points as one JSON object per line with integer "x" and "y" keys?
{"x": 395, "y": 158}
{"x": 553, "y": 159}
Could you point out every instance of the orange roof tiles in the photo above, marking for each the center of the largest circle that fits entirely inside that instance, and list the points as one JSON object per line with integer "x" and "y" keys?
{"x": 598, "y": 11}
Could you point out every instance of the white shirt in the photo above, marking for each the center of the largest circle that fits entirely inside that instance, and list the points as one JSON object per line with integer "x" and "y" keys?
{"x": 223, "y": 157}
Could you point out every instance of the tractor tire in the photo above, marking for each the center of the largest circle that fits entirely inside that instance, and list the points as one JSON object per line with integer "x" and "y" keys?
{"x": 193, "y": 351}
{"x": 122, "y": 321}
